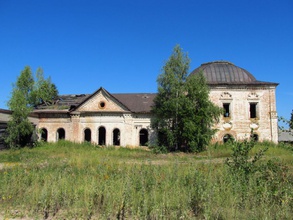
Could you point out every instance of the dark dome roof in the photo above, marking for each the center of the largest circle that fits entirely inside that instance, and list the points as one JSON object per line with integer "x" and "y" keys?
{"x": 224, "y": 72}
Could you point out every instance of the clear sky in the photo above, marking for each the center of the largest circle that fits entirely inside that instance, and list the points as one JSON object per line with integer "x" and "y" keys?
{"x": 122, "y": 45}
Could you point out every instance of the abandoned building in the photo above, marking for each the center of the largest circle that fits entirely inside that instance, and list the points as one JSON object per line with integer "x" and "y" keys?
{"x": 124, "y": 119}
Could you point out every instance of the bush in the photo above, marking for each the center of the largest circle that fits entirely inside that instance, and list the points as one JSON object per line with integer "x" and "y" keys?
{"x": 268, "y": 181}
{"x": 241, "y": 163}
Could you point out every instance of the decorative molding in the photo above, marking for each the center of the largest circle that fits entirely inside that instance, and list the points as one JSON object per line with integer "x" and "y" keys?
{"x": 254, "y": 126}
{"x": 253, "y": 96}
{"x": 226, "y": 96}
{"x": 227, "y": 126}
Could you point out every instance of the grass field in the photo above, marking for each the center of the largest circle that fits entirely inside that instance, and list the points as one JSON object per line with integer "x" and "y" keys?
{"x": 81, "y": 181}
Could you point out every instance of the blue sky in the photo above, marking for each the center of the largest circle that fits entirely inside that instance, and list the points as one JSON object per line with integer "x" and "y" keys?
{"x": 122, "y": 45}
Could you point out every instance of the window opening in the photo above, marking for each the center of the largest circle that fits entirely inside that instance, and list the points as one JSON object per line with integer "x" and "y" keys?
{"x": 253, "y": 110}
{"x": 44, "y": 134}
{"x": 87, "y": 135}
{"x": 254, "y": 137}
{"x": 226, "y": 107}
{"x": 227, "y": 137}
{"x": 143, "y": 137}
{"x": 102, "y": 104}
{"x": 116, "y": 137}
{"x": 102, "y": 136}
{"x": 60, "y": 134}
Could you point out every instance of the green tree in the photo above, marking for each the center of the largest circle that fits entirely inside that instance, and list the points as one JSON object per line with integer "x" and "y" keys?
{"x": 19, "y": 129}
{"x": 183, "y": 113}
{"x": 45, "y": 92}
{"x": 26, "y": 94}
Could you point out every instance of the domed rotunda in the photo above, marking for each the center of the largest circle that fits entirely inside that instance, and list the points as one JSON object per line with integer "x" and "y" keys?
{"x": 249, "y": 105}
{"x": 225, "y": 72}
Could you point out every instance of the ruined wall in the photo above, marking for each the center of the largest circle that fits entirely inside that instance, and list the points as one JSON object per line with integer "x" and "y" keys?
{"x": 239, "y": 123}
{"x": 75, "y": 124}
{"x": 112, "y": 115}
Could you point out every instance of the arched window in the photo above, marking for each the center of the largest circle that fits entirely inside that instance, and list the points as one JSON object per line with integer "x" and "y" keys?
{"x": 116, "y": 137}
{"x": 60, "y": 134}
{"x": 102, "y": 136}
{"x": 143, "y": 137}
{"x": 227, "y": 137}
{"x": 254, "y": 137}
{"x": 44, "y": 134}
{"x": 87, "y": 135}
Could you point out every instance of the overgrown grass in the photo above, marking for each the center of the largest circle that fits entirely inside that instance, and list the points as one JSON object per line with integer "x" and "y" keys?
{"x": 81, "y": 181}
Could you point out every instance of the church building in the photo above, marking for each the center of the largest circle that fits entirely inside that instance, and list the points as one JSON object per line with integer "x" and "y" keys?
{"x": 106, "y": 118}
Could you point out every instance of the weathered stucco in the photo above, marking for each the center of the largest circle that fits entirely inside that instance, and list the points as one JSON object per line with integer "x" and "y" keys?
{"x": 239, "y": 124}
{"x": 250, "y": 106}
{"x": 90, "y": 115}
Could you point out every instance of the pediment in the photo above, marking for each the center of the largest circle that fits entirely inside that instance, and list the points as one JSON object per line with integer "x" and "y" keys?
{"x": 101, "y": 101}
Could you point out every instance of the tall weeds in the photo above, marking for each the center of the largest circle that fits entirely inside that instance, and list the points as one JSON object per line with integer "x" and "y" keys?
{"x": 73, "y": 181}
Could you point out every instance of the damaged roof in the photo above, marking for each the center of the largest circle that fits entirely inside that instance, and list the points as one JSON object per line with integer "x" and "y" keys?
{"x": 135, "y": 102}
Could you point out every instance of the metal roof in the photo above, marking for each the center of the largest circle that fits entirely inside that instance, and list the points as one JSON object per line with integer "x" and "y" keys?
{"x": 137, "y": 102}
{"x": 224, "y": 72}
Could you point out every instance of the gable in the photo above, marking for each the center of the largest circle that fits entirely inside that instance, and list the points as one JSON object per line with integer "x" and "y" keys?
{"x": 101, "y": 101}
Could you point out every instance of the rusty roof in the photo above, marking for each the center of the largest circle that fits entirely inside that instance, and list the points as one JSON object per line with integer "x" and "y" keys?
{"x": 224, "y": 72}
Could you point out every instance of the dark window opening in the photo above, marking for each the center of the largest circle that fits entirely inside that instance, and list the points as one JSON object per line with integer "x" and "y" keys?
{"x": 252, "y": 109}
{"x": 254, "y": 137}
{"x": 87, "y": 135}
{"x": 44, "y": 134}
{"x": 102, "y": 104}
{"x": 60, "y": 134}
{"x": 226, "y": 107}
{"x": 116, "y": 137}
{"x": 102, "y": 136}
{"x": 227, "y": 137}
{"x": 143, "y": 137}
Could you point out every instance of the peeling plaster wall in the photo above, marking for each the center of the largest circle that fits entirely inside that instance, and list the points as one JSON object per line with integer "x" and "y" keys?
{"x": 128, "y": 124}
{"x": 238, "y": 124}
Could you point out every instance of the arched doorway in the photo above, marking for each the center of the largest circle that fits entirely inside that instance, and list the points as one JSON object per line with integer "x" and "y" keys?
{"x": 143, "y": 137}
{"x": 116, "y": 137}
{"x": 60, "y": 134}
{"x": 44, "y": 134}
{"x": 227, "y": 137}
{"x": 102, "y": 136}
{"x": 87, "y": 135}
